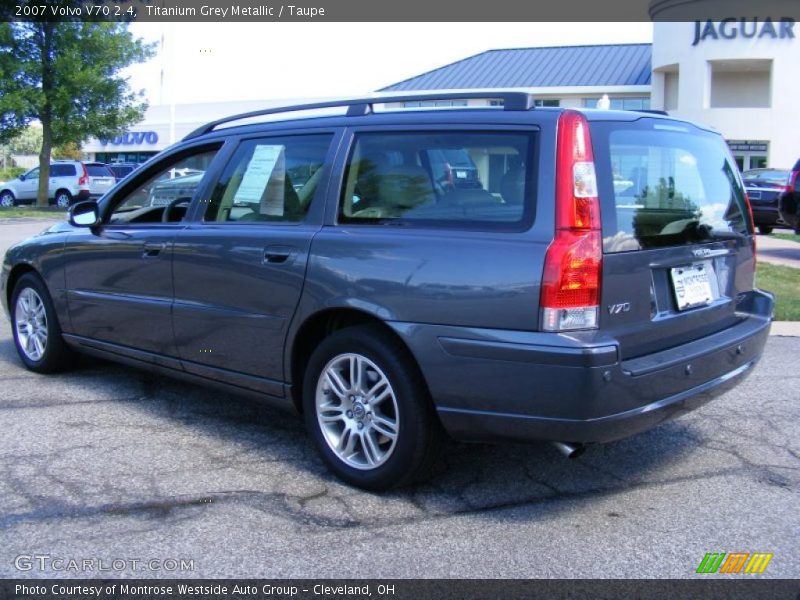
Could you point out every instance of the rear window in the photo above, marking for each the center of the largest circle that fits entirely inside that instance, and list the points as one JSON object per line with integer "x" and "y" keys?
{"x": 98, "y": 171}
{"x": 464, "y": 179}
{"x": 776, "y": 176}
{"x": 121, "y": 171}
{"x": 666, "y": 184}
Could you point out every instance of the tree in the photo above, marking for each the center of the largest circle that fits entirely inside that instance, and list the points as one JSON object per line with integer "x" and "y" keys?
{"x": 69, "y": 151}
{"x": 67, "y": 76}
{"x": 29, "y": 141}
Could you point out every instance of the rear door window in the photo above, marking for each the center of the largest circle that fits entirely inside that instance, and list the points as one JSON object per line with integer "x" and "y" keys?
{"x": 462, "y": 179}
{"x": 271, "y": 179}
{"x": 62, "y": 171}
{"x": 666, "y": 184}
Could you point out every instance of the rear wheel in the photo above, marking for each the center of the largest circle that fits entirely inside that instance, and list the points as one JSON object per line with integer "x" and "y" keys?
{"x": 764, "y": 229}
{"x": 37, "y": 334}
{"x": 7, "y": 199}
{"x": 368, "y": 411}
{"x": 63, "y": 199}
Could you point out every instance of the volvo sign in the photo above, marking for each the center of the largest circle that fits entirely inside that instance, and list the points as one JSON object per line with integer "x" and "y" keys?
{"x": 132, "y": 138}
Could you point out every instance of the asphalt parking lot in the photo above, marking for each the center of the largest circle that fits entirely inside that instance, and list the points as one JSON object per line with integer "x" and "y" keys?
{"x": 109, "y": 462}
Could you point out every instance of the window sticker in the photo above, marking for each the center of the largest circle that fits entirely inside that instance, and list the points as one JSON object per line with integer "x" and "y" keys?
{"x": 264, "y": 180}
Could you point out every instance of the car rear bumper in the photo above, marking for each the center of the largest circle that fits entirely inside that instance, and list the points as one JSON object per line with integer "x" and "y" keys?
{"x": 767, "y": 216}
{"x": 493, "y": 385}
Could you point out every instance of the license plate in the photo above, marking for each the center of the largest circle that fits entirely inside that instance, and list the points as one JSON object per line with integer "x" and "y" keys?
{"x": 692, "y": 285}
{"x": 754, "y": 194}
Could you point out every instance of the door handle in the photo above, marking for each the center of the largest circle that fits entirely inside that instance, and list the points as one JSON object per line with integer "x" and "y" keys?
{"x": 153, "y": 249}
{"x": 276, "y": 255}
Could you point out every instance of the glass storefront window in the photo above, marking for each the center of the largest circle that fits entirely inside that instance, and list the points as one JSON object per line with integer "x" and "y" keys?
{"x": 636, "y": 103}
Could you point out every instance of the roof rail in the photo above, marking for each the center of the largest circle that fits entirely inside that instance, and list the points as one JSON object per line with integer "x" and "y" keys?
{"x": 512, "y": 101}
{"x": 650, "y": 111}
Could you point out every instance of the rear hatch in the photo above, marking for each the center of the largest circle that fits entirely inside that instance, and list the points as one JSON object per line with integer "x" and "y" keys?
{"x": 101, "y": 179}
{"x": 677, "y": 237}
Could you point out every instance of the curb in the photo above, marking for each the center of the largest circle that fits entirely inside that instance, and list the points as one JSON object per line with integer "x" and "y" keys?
{"x": 785, "y": 328}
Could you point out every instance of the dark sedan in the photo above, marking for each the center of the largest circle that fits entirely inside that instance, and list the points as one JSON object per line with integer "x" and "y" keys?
{"x": 766, "y": 189}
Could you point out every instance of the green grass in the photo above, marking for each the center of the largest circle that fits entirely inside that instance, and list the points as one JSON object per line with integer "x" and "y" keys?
{"x": 784, "y": 282}
{"x": 791, "y": 237}
{"x": 17, "y": 212}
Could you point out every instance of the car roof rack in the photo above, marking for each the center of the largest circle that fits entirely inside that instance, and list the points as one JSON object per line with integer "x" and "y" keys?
{"x": 512, "y": 101}
{"x": 650, "y": 111}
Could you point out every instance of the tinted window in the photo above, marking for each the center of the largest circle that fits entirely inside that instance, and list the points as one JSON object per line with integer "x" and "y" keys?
{"x": 121, "y": 171}
{"x": 270, "y": 179}
{"x": 462, "y": 179}
{"x": 98, "y": 171}
{"x": 672, "y": 185}
{"x": 62, "y": 171}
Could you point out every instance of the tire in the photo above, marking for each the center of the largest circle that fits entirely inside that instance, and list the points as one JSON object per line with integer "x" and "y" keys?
{"x": 34, "y": 318}
{"x": 368, "y": 456}
{"x": 63, "y": 199}
{"x": 764, "y": 229}
{"x": 7, "y": 199}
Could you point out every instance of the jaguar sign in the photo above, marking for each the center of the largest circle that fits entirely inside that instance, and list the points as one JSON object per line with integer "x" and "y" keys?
{"x": 731, "y": 29}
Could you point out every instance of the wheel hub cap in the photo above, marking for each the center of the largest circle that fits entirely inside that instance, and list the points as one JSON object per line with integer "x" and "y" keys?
{"x": 31, "y": 322}
{"x": 357, "y": 411}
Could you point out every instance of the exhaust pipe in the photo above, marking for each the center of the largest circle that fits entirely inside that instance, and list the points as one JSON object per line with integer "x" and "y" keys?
{"x": 570, "y": 450}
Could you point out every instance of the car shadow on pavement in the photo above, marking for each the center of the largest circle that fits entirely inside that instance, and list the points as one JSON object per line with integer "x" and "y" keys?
{"x": 195, "y": 447}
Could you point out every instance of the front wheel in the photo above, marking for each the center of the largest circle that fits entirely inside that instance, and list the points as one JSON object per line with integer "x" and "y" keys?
{"x": 37, "y": 334}
{"x": 764, "y": 229}
{"x": 368, "y": 411}
{"x": 63, "y": 199}
{"x": 7, "y": 199}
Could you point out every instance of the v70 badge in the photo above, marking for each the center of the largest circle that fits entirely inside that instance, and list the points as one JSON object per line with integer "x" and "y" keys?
{"x": 622, "y": 307}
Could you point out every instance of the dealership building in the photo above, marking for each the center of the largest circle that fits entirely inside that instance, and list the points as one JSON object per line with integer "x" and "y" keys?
{"x": 738, "y": 75}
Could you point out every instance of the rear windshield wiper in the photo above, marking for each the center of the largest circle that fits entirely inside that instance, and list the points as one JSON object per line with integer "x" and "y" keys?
{"x": 706, "y": 232}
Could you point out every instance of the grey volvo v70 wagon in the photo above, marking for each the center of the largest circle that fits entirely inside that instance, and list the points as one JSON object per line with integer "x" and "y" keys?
{"x": 591, "y": 277}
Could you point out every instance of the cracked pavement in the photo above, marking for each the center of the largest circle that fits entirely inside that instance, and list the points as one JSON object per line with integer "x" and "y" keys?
{"x": 111, "y": 462}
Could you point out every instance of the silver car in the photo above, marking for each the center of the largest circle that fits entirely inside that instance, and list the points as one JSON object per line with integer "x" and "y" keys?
{"x": 70, "y": 181}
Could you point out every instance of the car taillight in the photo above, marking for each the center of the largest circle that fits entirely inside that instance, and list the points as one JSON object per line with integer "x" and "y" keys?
{"x": 752, "y": 227}
{"x": 570, "y": 296}
{"x": 789, "y": 188}
{"x": 84, "y": 180}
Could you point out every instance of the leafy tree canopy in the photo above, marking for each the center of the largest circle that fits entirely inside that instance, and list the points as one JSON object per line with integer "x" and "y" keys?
{"x": 67, "y": 76}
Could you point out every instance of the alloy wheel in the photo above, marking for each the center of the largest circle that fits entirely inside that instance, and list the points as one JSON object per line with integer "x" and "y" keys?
{"x": 357, "y": 411}
{"x": 31, "y": 323}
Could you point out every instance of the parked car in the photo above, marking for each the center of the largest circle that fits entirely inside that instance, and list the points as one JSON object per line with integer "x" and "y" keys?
{"x": 765, "y": 188}
{"x": 317, "y": 264}
{"x": 452, "y": 168}
{"x": 789, "y": 203}
{"x": 70, "y": 181}
{"x": 122, "y": 170}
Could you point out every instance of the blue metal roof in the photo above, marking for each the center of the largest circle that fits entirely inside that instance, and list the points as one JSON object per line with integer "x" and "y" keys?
{"x": 615, "y": 64}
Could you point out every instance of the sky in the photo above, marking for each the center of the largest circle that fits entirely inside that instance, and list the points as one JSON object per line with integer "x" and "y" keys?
{"x": 217, "y": 62}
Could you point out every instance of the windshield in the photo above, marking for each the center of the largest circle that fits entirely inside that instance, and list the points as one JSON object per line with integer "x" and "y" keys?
{"x": 666, "y": 184}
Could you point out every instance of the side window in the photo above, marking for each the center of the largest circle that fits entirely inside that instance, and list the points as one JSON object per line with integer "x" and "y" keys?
{"x": 458, "y": 178}
{"x": 170, "y": 184}
{"x": 66, "y": 171}
{"x": 34, "y": 174}
{"x": 270, "y": 179}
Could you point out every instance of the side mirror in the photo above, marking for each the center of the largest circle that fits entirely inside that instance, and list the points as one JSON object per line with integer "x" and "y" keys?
{"x": 22, "y": 177}
{"x": 84, "y": 214}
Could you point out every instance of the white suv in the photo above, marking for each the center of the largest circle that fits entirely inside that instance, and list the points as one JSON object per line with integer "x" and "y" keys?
{"x": 70, "y": 181}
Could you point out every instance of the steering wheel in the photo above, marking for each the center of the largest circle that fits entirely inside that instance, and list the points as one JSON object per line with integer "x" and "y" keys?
{"x": 168, "y": 208}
